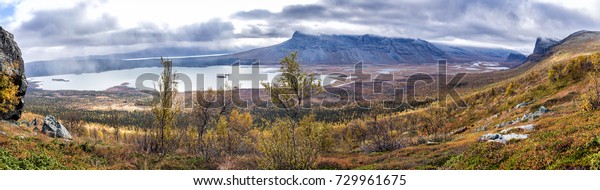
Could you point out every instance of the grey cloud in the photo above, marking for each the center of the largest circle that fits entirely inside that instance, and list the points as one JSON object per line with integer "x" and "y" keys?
{"x": 303, "y": 11}
{"x": 253, "y": 14}
{"x": 71, "y": 21}
{"x": 288, "y": 12}
{"x": 207, "y": 31}
{"x": 150, "y": 33}
{"x": 500, "y": 22}
{"x": 550, "y": 14}
{"x": 70, "y": 27}
{"x": 255, "y": 31}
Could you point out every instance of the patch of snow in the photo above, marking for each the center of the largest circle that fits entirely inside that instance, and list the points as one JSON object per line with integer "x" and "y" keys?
{"x": 497, "y": 68}
{"x": 491, "y": 64}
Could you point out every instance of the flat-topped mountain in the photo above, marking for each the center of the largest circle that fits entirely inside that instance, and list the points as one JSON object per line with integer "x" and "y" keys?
{"x": 348, "y": 49}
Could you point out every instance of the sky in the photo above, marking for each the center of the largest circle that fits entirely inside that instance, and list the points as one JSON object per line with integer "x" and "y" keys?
{"x": 63, "y": 28}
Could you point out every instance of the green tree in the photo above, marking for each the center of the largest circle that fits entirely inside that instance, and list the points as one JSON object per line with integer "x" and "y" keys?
{"x": 165, "y": 110}
{"x": 292, "y": 92}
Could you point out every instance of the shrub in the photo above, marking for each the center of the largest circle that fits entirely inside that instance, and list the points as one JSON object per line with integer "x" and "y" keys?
{"x": 279, "y": 150}
{"x": 383, "y": 136}
{"x": 8, "y": 94}
{"x": 589, "y": 101}
{"x": 34, "y": 161}
{"x": 595, "y": 161}
{"x": 552, "y": 74}
{"x": 480, "y": 156}
{"x": 596, "y": 61}
{"x": 510, "y": 89}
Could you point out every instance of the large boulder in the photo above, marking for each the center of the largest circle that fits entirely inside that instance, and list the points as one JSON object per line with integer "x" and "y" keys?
{"x": 53, "y": 128}
{"x": 12, "y": 74}
{"x": 495, "y": 137}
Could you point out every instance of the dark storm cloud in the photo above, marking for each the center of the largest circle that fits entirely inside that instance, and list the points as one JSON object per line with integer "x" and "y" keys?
{"x": 477, "y": 20}
{"x": 304, "y": 11}
{"x": 71, "y": 27}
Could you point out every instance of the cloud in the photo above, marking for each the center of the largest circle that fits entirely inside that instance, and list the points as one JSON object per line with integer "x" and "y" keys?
{"x": 508, "y": 23}
{"x": 253, "y": 14}
{"x": 60, "y": 25}
{"x": 68, "y": 22}
{"x": 304, "y": 11}
{"x": 72, "y": 27}
{"x": 207, "y": 31}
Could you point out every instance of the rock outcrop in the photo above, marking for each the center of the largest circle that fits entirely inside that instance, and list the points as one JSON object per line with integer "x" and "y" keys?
{"x": 53, "y": 128}
{"x": 542, "y": 45}
{"x": 517, "y": 58}
{"x": 12, "y": 74}
{"x": 501, "y": 138}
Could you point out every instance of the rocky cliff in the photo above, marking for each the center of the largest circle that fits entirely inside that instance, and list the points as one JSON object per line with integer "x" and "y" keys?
{"x": 12, "y": 78}
{"x": 542, "y": 45}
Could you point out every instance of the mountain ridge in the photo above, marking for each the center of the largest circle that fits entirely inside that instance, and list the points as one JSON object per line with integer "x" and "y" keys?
{"x": 368, "y": 48}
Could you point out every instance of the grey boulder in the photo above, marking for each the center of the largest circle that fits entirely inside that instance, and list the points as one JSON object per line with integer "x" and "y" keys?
{"x": 53, "y": 128}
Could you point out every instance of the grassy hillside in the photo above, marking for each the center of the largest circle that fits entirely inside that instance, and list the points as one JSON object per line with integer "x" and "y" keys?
{"x": 566, "y": 137}
{"x": 22, "y": 147}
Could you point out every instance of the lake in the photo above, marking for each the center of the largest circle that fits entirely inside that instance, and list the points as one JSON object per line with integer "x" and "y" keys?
{"x": 104, "y": 80}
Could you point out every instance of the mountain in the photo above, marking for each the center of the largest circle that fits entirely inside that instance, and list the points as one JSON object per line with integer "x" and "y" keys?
{"x": 542, "y": 45}
{"x": 349, "y": 49}
{"x": 516, "y": 58}
{"x": 313, "y": 49}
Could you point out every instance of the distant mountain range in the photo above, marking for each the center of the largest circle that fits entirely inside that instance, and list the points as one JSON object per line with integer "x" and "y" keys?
{"x": 312, "y": 49}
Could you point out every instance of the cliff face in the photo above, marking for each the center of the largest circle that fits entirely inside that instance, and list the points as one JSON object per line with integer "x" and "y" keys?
{"x": 542, "y": 45}
{"x": 12, "y": 73}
